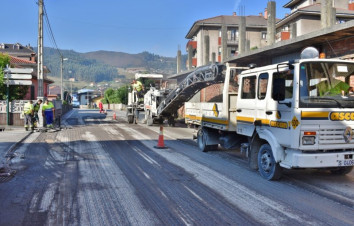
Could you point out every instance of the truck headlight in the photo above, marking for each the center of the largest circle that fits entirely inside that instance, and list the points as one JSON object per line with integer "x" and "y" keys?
{"x": 308, "y": 140}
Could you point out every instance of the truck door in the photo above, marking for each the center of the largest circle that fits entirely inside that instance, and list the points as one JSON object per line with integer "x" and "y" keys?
{"x": 261, "y": 104}
{"x": 279, "y": 114}
{"x": 246, "y": 105}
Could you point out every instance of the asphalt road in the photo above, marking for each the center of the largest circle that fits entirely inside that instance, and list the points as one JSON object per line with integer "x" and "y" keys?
{"x": 104, "y": 172}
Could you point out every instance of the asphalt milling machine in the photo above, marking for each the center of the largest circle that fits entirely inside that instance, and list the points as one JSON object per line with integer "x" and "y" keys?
{"x": 165, "y": 97}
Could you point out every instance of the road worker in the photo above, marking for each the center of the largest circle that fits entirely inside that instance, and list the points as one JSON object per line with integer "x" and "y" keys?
{"x": 28, "y": 113}
{"x": 100, "y": 105}
{"x": 48, "y": 111}
{"x": 36, "y": 107}
{"x": 139, "y": 88}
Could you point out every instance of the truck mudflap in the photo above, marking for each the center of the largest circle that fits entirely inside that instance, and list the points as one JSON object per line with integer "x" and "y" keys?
{"x": 298, "y": 159}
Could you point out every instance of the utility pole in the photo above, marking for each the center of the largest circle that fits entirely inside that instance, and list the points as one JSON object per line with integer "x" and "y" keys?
{"x": 40, "y": 93}
{"x": 61, "y": 77}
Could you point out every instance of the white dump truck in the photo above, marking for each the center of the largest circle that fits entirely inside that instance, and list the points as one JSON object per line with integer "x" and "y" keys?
{"x": 297, "y": 114}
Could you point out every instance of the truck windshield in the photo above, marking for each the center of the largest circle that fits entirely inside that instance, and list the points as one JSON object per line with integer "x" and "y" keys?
{"x": 326, "y": 85}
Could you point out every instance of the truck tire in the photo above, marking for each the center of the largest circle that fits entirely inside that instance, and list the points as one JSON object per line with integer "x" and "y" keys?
{"x": 202, "y": 137}
{"x": 342, "y": 170}
{"x": 171, "y": 122}
{"x": 268, "y": 168}
{"x": 130, "y": 119}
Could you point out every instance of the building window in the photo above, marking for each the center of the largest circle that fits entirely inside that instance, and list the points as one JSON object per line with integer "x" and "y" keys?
{"x": 233, "y": 34}
{"x": 264, "y": 35}
{"x": 219, "y": 51}
{"x": 219, "y": 32}
{"x": 233, "y": 52}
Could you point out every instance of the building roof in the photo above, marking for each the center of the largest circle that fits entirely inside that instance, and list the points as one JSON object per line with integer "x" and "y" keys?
{"x": 16, "y": 49}
{"x": 20, "y": 61}
{"x": 251, "y": 21}
{"x": 85, "y": 91}
{"x": 291, "y": 3}
{"x": 314, "y": 10}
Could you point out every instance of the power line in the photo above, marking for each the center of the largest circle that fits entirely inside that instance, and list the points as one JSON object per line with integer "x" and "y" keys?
{"x": 50, "y": 31}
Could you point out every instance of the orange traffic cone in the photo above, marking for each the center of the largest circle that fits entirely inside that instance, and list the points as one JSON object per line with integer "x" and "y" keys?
{"x": 160, "y": 143}
{"x": 114, "y": 116}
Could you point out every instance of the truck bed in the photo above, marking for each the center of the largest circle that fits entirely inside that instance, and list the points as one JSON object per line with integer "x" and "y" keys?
{"x": 206, "y": 114}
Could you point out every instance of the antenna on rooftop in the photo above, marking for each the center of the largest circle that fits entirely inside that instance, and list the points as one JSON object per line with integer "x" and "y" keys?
{"x": 241, "y": 10}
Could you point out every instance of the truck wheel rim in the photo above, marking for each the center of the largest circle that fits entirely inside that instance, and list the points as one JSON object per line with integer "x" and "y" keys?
{"x": 266, "y": 162}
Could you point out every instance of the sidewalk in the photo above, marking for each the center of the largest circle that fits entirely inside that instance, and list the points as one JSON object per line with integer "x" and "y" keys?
{"x": 9, "y": 139}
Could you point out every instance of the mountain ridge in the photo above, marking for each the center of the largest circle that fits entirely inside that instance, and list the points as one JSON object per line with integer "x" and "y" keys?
{"x": 102, "y": 65}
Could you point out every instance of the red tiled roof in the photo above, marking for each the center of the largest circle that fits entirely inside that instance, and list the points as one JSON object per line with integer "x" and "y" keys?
{"x": 16, "y": 60}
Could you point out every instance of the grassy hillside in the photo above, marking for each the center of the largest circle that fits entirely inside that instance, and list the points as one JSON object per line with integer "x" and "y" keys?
{"x": 106, "y": 66}
{"x": 151, "y": 62}
{"x": 79, "y": 67}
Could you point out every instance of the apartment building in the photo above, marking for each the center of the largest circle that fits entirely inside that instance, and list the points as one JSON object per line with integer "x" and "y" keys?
{"x": 305, "y": 16}
{"x": 206, "y": 45}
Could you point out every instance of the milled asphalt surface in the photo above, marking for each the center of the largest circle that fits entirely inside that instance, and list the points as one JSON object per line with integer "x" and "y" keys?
{"x": 9, "y": 139}
{"x": 99, "y": 171}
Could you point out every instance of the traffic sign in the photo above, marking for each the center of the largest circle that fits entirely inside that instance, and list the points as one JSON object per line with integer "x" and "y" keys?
{"x": 20, "y": 70}
{"x": 18, "y": 76}
{"x": 19, "y": 82}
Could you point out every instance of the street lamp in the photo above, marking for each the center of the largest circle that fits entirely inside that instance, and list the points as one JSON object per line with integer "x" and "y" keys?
{"x": 61, "y": 77}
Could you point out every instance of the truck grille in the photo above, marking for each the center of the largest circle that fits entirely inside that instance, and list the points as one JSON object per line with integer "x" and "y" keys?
{"x": 333, "y": 136}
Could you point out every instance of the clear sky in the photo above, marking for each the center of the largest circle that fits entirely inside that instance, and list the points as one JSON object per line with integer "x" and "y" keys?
{"x": 132, "y": 26}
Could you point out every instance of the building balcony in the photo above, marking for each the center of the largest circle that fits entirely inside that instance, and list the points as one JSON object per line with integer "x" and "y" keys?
{"x": 283, "y": 35}
{"x": 192, "y": 43}
{"x": 194, "y": 62}
{"x": 351, "y": 6}
{"x": 232, "y": 41}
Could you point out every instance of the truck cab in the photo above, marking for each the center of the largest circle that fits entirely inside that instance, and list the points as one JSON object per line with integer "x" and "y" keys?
{"x": 298, "y": 114}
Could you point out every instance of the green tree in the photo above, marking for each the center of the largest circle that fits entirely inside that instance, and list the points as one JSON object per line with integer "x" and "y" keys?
{"x": 16, "y": 92}
{"x": 122, "y": 94}
{"x": 117, "y": 96}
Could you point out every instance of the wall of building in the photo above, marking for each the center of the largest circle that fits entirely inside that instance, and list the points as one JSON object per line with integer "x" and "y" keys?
{"x": 255, "y": 37}
{"x": 341, "y": 4}
{"x": 307, "y": 24}
{"x": 200, "y": 44}
{"x": 342, "y": 48}
{"x": 214, "y": 43}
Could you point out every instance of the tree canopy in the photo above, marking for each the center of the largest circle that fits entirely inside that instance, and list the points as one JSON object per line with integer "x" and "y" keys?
{"x": 16, "y": 92}
{"x": 116, "y": 96}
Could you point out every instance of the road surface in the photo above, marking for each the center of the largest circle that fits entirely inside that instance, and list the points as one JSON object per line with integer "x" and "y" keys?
{"x": 104, "y": 172}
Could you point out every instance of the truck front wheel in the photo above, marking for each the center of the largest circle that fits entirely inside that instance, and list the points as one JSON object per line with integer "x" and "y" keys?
{"x": 268, "y": 168}
{"x": 342, "y": 170}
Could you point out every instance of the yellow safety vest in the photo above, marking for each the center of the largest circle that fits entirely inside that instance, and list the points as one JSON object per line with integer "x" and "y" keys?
{"x": 138, "y": 86}
{"x": 28, "y": 108}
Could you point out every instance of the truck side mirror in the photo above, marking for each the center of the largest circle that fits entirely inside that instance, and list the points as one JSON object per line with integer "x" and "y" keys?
{"x": 278, "y": 93}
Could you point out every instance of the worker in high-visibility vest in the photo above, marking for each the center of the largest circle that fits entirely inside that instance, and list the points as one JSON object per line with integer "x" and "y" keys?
{"x": 28, "y": 113}
{"x": 48, "y": 111}
{"x": 139, "y": 88}
{"x": 36, "y": 107}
